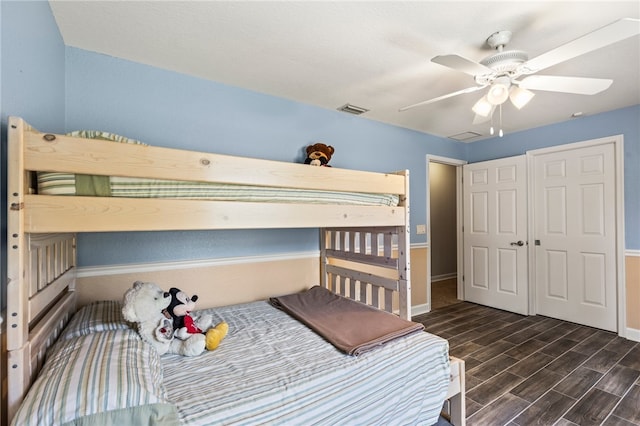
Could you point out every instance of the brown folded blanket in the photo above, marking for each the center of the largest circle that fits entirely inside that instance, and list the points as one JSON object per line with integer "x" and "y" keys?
{"x": 350, "y": 326}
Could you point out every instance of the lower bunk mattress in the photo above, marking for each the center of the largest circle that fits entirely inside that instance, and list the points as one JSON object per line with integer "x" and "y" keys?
{"x": 270, "y": 369}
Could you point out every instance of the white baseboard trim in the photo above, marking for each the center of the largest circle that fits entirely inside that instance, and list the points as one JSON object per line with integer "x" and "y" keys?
{"x": 420, "y": 309}
{"x": 93, "y": 271}
{"x": 633, "y": 334}
{"x": 443, "y": 277}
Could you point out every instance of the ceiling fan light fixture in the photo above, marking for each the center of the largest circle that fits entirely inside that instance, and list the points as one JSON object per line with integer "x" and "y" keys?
{"x": 499, "y": 91}
{"x": 483, "y": 107}
{"x": 520, "y": 97}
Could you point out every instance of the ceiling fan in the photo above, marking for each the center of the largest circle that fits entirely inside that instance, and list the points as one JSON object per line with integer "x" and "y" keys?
{"x": 502, "y": 71}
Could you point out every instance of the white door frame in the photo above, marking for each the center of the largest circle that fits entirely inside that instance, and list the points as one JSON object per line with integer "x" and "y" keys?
{"x": 618, "y": 143}
{"x": 459, "y": 221}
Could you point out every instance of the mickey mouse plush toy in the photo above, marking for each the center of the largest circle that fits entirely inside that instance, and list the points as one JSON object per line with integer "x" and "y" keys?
{"x": 185, "y": 325}
{"x": 180, "y": 308}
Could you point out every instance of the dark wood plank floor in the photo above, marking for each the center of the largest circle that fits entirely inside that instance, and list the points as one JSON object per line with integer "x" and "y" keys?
{"x": 534, "y": 370}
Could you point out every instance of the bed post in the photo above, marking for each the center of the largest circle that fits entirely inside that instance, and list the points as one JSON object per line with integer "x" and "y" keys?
{"x": 41, "y": 278}
{"x": 404, "y": 255}
{"x": 17, "y": 315}
{"x": 323, "y": 259}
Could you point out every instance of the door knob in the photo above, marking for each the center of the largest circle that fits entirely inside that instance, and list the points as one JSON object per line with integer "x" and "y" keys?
{"x": 518, "y": 243}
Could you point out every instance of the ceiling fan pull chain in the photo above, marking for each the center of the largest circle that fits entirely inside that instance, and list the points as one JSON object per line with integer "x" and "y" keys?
{"x": 501, "y": 133}
{"x": 491, "y": 131}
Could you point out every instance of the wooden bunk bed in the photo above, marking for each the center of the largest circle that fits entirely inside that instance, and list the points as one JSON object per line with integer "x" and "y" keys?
{"x": 364, "y": 248}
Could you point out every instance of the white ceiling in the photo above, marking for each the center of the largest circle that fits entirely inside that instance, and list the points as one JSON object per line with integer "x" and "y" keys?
{"x": 372, "y": 54}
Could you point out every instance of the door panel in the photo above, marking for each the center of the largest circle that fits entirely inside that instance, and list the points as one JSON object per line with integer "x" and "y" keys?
{"x": 574, "y": 204}
{"x": 495, "y": 220}
{"x": 507, "y": 278}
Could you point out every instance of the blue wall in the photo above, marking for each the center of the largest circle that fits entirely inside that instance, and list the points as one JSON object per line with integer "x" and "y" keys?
{"x": 32, "y": 80}
{"x": 32, "y": 65}
{"x": 169, "y": 109}
{"x": 57, "y": 88}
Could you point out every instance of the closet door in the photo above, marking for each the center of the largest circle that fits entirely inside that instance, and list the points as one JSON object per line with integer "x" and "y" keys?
{"x": 575, "y": 235}
{"x": 495, "y": 234}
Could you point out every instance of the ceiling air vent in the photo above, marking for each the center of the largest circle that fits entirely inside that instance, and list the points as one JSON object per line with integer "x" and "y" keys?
{"x": 352, "y": 109}
{"x": 461, "y": 137}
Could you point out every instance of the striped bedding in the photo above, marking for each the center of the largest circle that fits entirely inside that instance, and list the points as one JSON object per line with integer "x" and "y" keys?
{"x": 109, "y": 377}
{"x": 271, "y": 369}
{"x": 68, "y": 184}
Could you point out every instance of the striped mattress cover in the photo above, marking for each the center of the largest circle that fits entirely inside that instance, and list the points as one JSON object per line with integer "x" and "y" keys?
{"x": 50, "y": 183}
{"x": 271, "y": 369}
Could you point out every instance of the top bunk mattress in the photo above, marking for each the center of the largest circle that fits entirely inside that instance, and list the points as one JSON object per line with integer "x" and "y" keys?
{"x": 50, "y": 183}
{"x": 55, "y": 183}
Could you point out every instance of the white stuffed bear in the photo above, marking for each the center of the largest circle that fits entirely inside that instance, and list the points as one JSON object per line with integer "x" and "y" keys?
{"x": 143, "y": 305}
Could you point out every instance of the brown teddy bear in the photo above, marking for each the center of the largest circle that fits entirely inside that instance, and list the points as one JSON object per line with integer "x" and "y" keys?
{"x": 319, "y": 154}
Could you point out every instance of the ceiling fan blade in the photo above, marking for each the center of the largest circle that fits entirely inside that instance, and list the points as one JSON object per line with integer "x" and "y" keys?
{"x": 609, "y": 34}
{"x": 439, "y": 98}
{"x": 478, "y": 119}
{"x": 577, "y": 85}
{"x": 459, "y": 63}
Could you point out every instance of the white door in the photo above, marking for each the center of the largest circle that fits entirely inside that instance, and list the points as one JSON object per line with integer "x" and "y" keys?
{"x": 495, "y": 233}
{"x": 575, "y": 235}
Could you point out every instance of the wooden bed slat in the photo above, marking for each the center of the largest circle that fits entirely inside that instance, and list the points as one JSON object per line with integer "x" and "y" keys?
{"x": 382, "y": 261}
{"x": 374, "y": 244}
{"x": 363, "y": 293}
{"x": 70, "y": 154}
{"x": 47, "y": 330}
{"x": 375, "y": 297}
{"x": 378, "y": 281}
{"x": 42, "y": 299}
{"x": 388, "y": 300}
{"x": 387, "y": 245}
{"x": 48, "y": 213}
{"x": 24, "y": 362}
